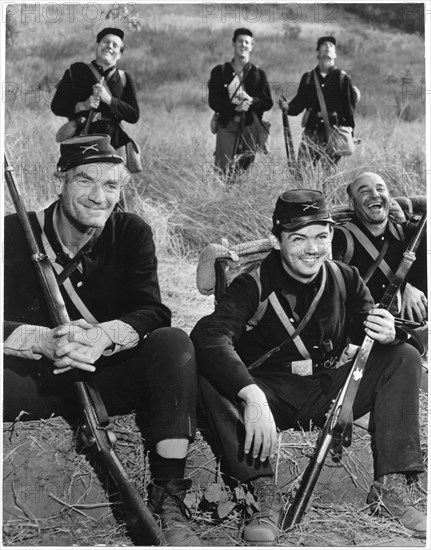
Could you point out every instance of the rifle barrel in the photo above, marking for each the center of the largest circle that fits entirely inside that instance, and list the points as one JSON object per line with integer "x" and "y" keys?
{"x": 340, "y": 413}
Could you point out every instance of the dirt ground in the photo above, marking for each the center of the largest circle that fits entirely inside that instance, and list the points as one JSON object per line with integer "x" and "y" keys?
{"x": 52, "y": 496}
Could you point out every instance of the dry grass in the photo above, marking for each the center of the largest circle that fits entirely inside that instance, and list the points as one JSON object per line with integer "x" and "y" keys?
{"x": 66, "y": 491}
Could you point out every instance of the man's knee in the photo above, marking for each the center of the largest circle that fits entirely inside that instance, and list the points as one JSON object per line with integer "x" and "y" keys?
{"x": 404, "y": 357}
{"x": 173, "y": 347}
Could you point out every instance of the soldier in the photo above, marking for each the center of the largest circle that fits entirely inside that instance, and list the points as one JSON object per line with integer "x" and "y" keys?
{"x": 238, "y": 89}
{"x": 120, "y": 335}
{"x": 375, "y": 244}
{"x": 339, "y": 96}
{"x": 112, "y": 100}
{"x": 323, "y": 303}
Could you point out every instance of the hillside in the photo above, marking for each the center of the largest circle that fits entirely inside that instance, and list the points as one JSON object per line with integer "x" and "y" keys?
{"x": 49, "y": 490}
{"x": 171, "y": 66}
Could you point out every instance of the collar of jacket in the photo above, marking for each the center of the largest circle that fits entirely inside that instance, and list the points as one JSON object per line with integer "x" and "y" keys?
{"x": 102, "y": 71}
{"x": 273, "y": 276}
{"x": 52, "y": 237}
{"x": 389, "y": 229}
{"x": 330, "y": 71}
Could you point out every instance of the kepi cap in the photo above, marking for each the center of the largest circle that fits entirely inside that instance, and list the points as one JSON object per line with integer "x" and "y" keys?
{"x": 109, "y": 30}
{"x": 241, "y": 30}
{"x": 90, "y": 149}
{"x": 300, "y": 207}
{"x": 323, "y": 39}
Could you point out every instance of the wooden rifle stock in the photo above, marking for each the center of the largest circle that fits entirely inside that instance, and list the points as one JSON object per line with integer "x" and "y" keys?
{"x": 138, "y": 517}
{"x": 337, "y": 427}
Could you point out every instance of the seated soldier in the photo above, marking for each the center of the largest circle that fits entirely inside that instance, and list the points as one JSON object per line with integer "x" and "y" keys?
{"x": 375, "y": 244}
{"x": 138, "y": 362}
{"x": 296, "y": 385}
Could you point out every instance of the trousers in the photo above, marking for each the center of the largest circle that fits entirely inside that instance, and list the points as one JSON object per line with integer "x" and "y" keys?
{"x": 225, "y": 142}
{"x": 312, "y": 149}
{"x": 389, "y": 390}
{"x": 157, "y": 380}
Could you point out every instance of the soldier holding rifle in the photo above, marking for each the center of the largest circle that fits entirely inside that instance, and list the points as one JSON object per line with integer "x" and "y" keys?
{"x": 239, "y": 92}
{"x": 313, "y": 306}
{"x": 82, "y": 91}
{"x": 339, "y": 95}
{"x": 120, "y": 335}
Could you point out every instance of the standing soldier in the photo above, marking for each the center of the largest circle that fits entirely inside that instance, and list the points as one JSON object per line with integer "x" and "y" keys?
{"x": 339, "y": 95}
{"x": 239, "y": 93}
{"x": 101, "y": 89}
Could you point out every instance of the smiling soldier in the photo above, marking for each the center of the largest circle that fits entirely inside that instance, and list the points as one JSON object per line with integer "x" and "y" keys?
{"x": 238, "y": 89}
{"x": 319, "y": 304}
{"x": 374, "y": 243}
{"x": 120, "y": 335}
{"x": 101, "y": 87}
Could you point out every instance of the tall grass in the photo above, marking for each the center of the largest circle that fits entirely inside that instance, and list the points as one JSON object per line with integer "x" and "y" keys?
{"x": 171, "y": 57}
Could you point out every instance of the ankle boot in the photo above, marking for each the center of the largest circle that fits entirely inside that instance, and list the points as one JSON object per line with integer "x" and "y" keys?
{"x": 263, "y": 526}
{"x": 167, "y": 502}
{"x": 393, "y": 496}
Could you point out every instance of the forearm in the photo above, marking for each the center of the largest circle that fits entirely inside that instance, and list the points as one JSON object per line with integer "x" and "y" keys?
{"x": 26, "y": 341}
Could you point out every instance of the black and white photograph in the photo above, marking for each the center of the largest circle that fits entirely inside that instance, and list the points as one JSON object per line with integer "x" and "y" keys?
{"x": 214, "y": 274}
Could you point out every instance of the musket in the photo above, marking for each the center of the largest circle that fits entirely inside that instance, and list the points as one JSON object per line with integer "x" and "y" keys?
{"x": 86, "y": 128}
{"x": 240, "y": 119}
{"x": 141, "y": 523}
{"x": 288, "y": 141}
{"x": 337, "y": 431}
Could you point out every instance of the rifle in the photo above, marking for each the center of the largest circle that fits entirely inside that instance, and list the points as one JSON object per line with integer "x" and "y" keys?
{"x": 288, "y": 141}
{"x": 337, "y": 431}
{"x": 240, "y": 119}
{"x": 86, "y": 128}
{"x": 96, "y": 435}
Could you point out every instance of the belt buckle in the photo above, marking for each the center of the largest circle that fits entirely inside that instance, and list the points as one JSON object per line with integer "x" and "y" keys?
{"x": 303, "y": 367}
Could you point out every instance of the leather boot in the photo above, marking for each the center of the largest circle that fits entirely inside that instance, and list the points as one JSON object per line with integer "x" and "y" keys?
{"x": 263, "y": 526}
{"x": 167, "y": 503}
{"x": 393, "y": 496}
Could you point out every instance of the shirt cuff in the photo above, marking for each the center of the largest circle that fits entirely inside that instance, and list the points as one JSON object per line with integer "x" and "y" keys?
{"x": 123, "y": 335}
{"x": 23, "y": 340}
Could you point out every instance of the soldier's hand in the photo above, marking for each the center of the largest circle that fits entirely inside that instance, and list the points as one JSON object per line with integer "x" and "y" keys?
{"x": 103, "y": 93}
{"x": 49, "y": 341}
{"x": 260, "y": 427}
{"x": 380, "y": 326}
{"x": 414, "y": 304}
{"x": 79, "y": 345}
{"x": 282, "y": 103}
{"x": 244, "y": 106}
{"x": 92, "y": 102}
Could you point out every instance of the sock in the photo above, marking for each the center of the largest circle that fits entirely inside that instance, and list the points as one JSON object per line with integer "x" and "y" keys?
{"x": 166, "y": 468}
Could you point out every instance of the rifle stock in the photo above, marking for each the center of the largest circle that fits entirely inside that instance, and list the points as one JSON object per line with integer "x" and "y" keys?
{"x": 339, "y": 416}
{"x": 138, "y": 517}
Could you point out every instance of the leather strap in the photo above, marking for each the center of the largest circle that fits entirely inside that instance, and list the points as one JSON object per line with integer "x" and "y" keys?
{"x": 300, "y": 327}
{"x": 376, "y": 262}
{"x": 370, "y": 248}
{"x": 63, "y": 279}
{"x": 244, "y": 74}
{"x": 322, "y": 105}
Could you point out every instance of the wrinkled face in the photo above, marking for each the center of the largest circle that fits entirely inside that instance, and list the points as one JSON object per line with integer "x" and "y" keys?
{"x": 90, "y": 192}
{"x": 243, "y": 46}
{"x": 304, "y": 250}
{"x": 108, "y": 50}
{"x": 370, "y": 199}
{"x": 327, "y": 49}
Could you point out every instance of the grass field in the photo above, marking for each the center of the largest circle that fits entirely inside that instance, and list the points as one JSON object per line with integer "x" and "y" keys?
{"x": 188, "y": 206}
